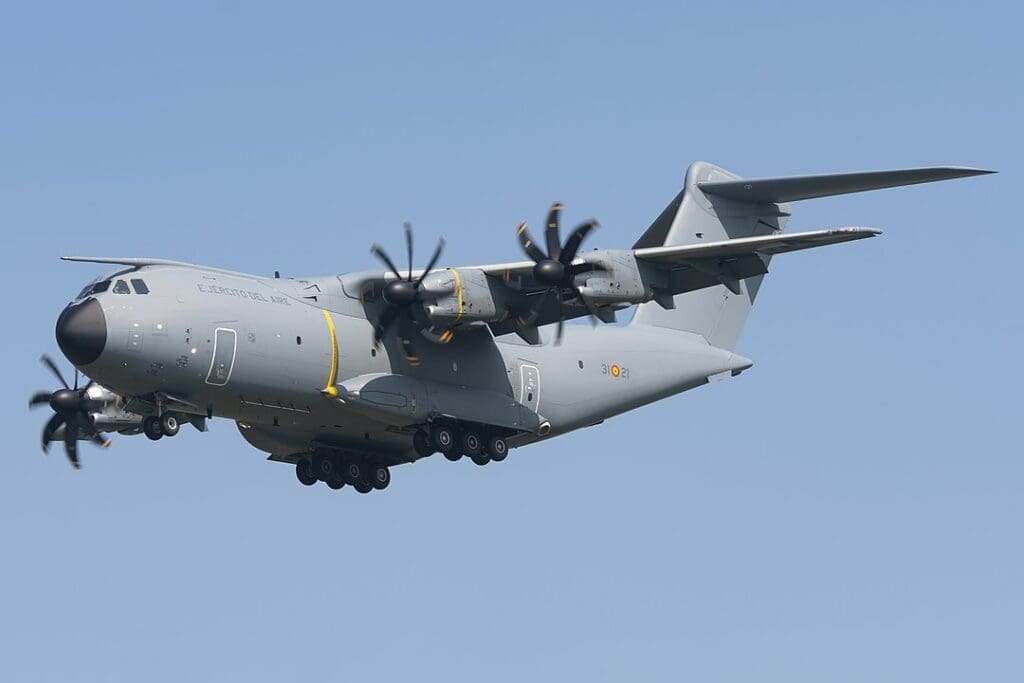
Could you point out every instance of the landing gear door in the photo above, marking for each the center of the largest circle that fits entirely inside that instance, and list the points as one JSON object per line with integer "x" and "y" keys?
{"x": 528, "y": 385}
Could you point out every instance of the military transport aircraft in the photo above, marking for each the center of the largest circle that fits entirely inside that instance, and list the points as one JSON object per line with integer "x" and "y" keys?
{"x": 344, "y": 376}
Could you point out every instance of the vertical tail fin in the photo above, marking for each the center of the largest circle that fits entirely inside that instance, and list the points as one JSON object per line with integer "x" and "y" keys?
{"x": 717, "y": 205}
{"x": 693, "y": 217}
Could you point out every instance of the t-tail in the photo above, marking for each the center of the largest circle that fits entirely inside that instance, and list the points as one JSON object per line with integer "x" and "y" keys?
{"x": 716, "y": 205}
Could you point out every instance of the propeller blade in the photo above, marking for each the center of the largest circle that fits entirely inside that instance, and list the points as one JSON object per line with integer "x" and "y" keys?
{"x": 379, "y": 252}
{"x": 561, "y": 323}
{"x": 551, "y": 233}
{"x": 365, "y": 291}
{"x": 101, "y": 440}
{"x": 531, "y": 249}
{"x": 384, "y": 323}
{"x": 530, "y": 318}
{"x": 572, "y": 245}
{"x": 405, "y": 339}
{"x": 594, "y": 316}
{"x": 52, "y": 425}
{"x": 516, "y": 286}
{"x": 71, "y": 441}
{"x": 431, "y": 263}
{"x": 408, "y": 245}
{"x": 427, "y": 328}
{"x": 48, "y": 362}
{"x": 39, "y": 398}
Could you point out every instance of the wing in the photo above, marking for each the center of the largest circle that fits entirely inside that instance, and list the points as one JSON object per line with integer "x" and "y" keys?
{"x": 689, "y": 267}
{"x": 797, "y": 188}
{"x": 745, "y": 246}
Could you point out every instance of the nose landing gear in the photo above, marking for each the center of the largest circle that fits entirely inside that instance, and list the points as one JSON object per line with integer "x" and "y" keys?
{"x": 156, "y": 428}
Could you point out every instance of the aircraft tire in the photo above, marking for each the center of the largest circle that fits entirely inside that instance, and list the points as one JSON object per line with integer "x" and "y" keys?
{"x": 470, "y": 443}
{"x": 334, "y": 483}
{"x": 353, "y": 473}
{"x": 443, "y": 438}
{"x": 480, "y": 459}
{"x": 363, "y": 487}
{"x": 422, "y": 444}
{"x": 151, "y": 428}
{"x": 304, "y": 473}
{"x": 497, "y": 448}
{"x": 454, "y": 456}
{"x": 379, "y": 477}
{"x": 325, "y": 468}
{"x": 169, "y": 424}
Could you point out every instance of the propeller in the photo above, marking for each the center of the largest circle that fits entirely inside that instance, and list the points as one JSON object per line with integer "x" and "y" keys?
{"x": 71, "y": 407}
{"x": 404, "y": 298}
{"x": 555, "y": 269}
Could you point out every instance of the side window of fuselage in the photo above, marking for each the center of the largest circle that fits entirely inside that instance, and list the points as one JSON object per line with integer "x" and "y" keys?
{"x": 140, "y": 286}
{"x": 121, "y": 287}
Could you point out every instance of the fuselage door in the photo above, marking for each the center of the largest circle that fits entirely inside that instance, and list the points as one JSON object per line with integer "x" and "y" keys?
{"x": 225, "y": 342}
{"x": 529, "y": 388}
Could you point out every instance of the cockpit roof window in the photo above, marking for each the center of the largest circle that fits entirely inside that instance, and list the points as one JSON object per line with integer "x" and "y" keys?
{"x": 140, "y": 286}
{"x": 95, "y": 288}
{"x": 121, "y": 287}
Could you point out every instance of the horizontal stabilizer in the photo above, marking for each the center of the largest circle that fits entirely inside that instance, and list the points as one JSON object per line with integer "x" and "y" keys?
{"x": 794, "y": 188}
{"x": 763, "y": 244}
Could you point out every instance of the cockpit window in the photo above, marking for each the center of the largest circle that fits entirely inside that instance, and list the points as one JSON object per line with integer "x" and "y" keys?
{"x": 140, "y": 286}
{"x": 95, "y": 288}
{"x": 121, "y": 287}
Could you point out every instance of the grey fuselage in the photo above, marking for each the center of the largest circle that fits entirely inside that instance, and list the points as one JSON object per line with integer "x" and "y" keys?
{"x": 265, "y": 352}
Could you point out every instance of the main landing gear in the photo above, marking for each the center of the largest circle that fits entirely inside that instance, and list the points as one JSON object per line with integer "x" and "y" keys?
{"x": 156, "y": 428}
{"x": 454, "y": 440}
{"x": 337, "y": 472}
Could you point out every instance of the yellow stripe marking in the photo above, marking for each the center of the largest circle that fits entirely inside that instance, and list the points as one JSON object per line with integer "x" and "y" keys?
{"x": 332, "y": 378}
{"x": 458, "y": 293}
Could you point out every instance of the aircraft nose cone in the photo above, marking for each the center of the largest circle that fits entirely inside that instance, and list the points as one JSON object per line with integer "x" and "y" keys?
{"x": 82, "y": 332}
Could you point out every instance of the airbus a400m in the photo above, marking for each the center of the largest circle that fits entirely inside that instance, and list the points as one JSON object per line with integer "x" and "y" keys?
{"x": 346, "y": 376}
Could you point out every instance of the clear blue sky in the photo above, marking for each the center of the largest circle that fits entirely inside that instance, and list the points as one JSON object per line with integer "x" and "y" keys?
{"x": 848, "y": 510}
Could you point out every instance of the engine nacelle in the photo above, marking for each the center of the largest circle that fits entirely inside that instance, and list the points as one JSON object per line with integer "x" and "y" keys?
{"x": 468, "y": 297}
{"x": 621, "y": 284}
